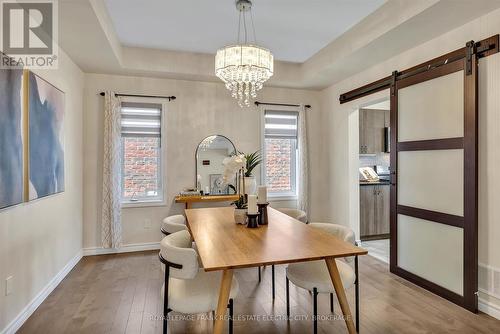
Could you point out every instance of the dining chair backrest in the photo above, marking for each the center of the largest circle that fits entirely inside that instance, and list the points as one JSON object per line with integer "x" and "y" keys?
{"x": 175, "y": 223}
{"x": 177, "y": 219}
{"x": 177, "y": 248}
{"x": 294, "y": 213}
{"x": 341, "y": 231}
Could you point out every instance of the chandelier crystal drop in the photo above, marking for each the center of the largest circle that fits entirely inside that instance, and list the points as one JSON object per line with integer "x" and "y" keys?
{"x": 244, "y": 67}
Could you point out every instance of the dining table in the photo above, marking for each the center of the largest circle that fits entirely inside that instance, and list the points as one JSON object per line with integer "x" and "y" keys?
{"x": 225, "y": 246}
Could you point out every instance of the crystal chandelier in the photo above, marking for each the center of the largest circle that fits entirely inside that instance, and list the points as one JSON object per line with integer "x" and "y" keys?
{"x": 244, "y": 67}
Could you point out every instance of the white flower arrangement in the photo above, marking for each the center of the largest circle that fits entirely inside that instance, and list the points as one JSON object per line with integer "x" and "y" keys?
{"x": 232, "y": 165}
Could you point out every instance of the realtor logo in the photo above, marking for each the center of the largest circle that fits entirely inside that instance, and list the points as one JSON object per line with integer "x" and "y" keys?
{"x": 29, "y": 34}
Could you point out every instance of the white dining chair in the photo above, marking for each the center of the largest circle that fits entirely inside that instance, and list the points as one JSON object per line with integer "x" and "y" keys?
{"x": 315, "y": 277}
{"x": 172, "y": 224}
{"x": 294, "y": 213}
{"x": 188, "y": 288}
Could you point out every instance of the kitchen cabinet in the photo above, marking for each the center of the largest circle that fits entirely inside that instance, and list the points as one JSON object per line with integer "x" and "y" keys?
{"x": 366, "y": 210}
{"x": 371, "y": 130}
{"x": 382, "y": 209}
{"x": 374, "y": 211}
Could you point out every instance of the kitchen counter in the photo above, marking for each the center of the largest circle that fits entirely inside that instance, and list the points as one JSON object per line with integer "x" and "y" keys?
{"x": 378, "y": 183}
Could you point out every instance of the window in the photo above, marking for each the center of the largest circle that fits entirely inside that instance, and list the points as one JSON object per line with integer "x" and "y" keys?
{"x": 280, "y": 153}
{"x": 141, "y": 131}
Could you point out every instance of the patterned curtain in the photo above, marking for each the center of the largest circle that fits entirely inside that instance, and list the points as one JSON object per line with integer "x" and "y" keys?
{"x": 303, "y": 186}
{"x": 111, "y": 225}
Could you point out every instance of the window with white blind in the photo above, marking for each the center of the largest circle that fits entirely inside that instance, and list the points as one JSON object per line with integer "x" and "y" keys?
{"x": 141, "y": 130}
{"x": 280, "y": 152}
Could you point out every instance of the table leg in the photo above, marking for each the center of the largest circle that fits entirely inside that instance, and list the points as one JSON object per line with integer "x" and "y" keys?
{"x": 339, "y": 289}
{"x": 225, "y": 289}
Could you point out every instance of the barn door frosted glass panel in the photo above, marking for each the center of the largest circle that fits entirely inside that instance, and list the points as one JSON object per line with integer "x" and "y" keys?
{"x": 432, "y": 251}
{"x": 431, "y": 180}
{"x": 432, "y": 109}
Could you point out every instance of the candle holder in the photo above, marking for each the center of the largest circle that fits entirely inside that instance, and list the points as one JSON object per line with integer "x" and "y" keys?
{"x": 263, "y": 213}
{"x": 253, "y": 220}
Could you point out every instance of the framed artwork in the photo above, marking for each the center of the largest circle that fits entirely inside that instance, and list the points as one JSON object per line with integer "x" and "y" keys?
{"x": 11, "y": 138}
{"x": 217, "y": 186}
{"x": 46, "y": 138}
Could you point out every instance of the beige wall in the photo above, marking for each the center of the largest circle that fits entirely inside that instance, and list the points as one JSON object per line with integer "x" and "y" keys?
{"x": 344, "y": 195}
{"x": 201, "y": 109}
{"x": 37, "y": 239}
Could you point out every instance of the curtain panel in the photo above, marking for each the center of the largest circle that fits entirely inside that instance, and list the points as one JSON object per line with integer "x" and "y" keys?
{"x": 111, "y": 225}
{"x": 303, "y": 186}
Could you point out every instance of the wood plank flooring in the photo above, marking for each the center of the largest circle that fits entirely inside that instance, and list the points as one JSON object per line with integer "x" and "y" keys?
{"x": 120, "y": 294}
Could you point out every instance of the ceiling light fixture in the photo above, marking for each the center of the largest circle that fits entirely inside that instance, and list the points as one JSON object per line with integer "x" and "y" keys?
{"x": 244, "y": 67}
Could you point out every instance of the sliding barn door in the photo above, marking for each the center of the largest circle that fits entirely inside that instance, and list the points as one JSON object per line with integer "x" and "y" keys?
{"x": 434, "y": 180}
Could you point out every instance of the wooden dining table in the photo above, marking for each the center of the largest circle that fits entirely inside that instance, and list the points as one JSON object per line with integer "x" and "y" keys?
{"x": 223, "y": 245}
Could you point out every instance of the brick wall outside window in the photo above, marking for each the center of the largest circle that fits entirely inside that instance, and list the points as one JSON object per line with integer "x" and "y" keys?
{"x": 141, "y": 160}
{"x": 278, "y": 164}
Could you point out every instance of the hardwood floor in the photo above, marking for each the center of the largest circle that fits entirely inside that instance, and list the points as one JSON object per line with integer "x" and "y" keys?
{"x": 120, "y": 294}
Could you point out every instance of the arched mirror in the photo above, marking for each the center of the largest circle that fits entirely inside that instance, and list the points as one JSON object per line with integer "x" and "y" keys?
{"x": 209, "y": 169}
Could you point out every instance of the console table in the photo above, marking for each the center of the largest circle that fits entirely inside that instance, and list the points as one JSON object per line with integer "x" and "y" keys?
{"x": 189, "y": 200}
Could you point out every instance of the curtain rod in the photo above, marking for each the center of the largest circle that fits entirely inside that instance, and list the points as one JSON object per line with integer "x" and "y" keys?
{"x": 257, "y": 103}
{"x": 170, "y": 98}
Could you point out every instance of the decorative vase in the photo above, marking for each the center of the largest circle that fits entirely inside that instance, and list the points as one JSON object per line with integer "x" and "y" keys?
{"x": 240, "y": 216}
{"x": 250, "y": 185}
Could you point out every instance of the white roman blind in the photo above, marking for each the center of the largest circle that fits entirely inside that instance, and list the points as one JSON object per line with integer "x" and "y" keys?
{"x": 142, "y": 156}
{"x": 281, "y": 124}
{"x": 141, "y": 120}
{"x": 280, "y": 152}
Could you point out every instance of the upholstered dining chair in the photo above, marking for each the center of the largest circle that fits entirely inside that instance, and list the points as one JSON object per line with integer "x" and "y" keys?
{"x": 172, "y": 224}
{"x": 294, "y": 213}
{"x": 300, "y": 216}
{"x": 188, "y": 288}
{"x": 315, "y": 277}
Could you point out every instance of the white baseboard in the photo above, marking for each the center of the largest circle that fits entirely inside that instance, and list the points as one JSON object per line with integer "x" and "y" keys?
{"x": 28, "y": 310}
{"x": 124, "y": 249}
{"x": 489, "y": 308}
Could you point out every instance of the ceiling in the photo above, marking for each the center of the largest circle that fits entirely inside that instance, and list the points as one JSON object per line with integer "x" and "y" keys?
{"x": 294, "y": 30}
{"x": 393, "y": 28}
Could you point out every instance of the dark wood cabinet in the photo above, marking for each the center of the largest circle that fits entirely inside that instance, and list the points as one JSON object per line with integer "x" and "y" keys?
{"x": 367, "y": 210}
{"x": 382, "y": 209}
{"x": 374, "y": 211}
{"x": 371, "y": 130}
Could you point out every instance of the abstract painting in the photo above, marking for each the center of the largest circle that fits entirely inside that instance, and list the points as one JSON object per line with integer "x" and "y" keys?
{"x": 46, "y": 138}
{"x": 11, "y": 138}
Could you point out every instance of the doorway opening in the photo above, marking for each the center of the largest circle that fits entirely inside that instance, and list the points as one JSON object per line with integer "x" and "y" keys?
{"x": 374, "y": 178}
